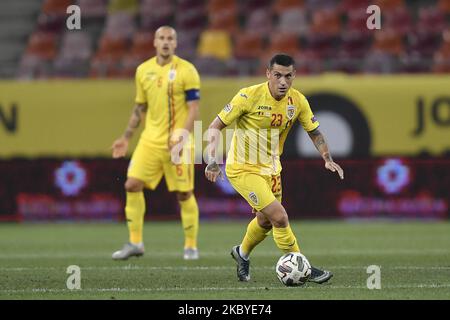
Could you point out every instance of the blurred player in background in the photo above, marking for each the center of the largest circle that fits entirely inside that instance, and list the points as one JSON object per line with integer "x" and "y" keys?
{"x": 167, "y": 98}
{"x": 269, "y": 110}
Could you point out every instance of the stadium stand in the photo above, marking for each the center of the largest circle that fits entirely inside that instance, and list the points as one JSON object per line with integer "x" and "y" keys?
{"x": 224, "y": 37}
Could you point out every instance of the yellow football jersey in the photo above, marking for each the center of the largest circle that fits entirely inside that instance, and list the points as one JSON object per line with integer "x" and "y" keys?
{"x": 262, "y": 125}
{"x": 164, "y": 89}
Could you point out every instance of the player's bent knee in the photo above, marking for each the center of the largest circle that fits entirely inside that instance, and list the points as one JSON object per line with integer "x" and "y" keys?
{"x": 263, "y": 222}
{"x": 280, "y": 219}
{"x": 134, "y": 185}
{"x": 183, "y": 196}
{"x": 276, "y": 214}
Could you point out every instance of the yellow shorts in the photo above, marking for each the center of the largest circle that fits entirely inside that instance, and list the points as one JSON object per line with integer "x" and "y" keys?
{"x": 148, "y": 164}
{"x": 258, "y": 190}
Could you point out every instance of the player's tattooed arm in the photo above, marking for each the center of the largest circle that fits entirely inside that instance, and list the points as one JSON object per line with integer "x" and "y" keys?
{"x": 319, "y": 142}
{"x": 135, "y": 120}
{"x": 120, "y": 146}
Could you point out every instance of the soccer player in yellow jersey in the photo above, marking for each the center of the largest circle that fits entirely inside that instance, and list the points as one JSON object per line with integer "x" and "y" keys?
{"x": 167, "y": 98}
{"x": 264, "y": 114}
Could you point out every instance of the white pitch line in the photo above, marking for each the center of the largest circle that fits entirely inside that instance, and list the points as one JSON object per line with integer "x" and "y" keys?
{"x": 199, "y": 289}
{"x": 101, "y": 255}
{"x": 195, "y": 268}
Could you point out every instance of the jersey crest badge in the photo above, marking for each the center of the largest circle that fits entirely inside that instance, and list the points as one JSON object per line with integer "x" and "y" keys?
{"x": 172, "y": 74}
{"x": 290, "y": 111}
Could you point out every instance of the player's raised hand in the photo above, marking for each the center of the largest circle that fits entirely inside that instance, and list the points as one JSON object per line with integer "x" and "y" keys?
{"x": 213, "y": 171}
{"x": 333, "y": 166}
{"x": 119, "y": 148}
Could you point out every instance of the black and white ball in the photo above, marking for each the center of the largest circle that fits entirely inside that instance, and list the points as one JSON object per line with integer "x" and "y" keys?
{"x": 293, "y": 269}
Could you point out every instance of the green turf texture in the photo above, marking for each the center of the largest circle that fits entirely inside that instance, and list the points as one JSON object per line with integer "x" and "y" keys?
{"x": 414, "y": 258}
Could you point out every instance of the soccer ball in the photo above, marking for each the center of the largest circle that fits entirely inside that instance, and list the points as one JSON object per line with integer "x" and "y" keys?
{"x": 293, "y": 269}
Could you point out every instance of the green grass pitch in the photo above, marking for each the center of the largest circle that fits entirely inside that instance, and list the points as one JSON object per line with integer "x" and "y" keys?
{"x": 414, "y": 258}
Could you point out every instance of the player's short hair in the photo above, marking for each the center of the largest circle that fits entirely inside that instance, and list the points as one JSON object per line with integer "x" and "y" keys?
{"x": 282, "y": 60}
{"x": 167, "y": 27}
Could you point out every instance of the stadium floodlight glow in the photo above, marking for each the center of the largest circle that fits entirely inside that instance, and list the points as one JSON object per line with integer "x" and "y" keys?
{"x": 70, "y": 178}
{"x": 393, "y": 175}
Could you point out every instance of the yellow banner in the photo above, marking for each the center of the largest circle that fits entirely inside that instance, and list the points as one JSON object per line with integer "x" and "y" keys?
{"x": 382, "y": 115}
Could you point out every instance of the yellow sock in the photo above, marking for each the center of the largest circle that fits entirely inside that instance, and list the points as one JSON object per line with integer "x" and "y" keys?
{"x": 285, "y": 239}
{"x": 254, "y": 235}
{"x": 135, "y": 210}
{"x": 189, "y": 220}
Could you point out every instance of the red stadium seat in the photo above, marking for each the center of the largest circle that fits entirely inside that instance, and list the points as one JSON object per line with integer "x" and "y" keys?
{"x": 351, "y": 5}
{"x": 326, "y": 22}
{"x": 224, "y": 20}
{"x": 444, "y": 6}
{"x": 281, "y": 6}
{"x": 56, "y": 7}
{"x": 387, "y": 5}
{"x": 111, "y": 48}
{"x": 388, "y": 41}
{"x": 357, "y": 22}
{"x": 42, "y": 45}
{"x": 53, "y": 15}
{"x": 215, "y": 6}
{"x": 284, "y": 42}
{"x": 248, "y": 46}
{"x": 143, "y": 44}
{"x": 50, "y": 23}
{"x": 106, "y": 62}
{"x": 142, "y": 49}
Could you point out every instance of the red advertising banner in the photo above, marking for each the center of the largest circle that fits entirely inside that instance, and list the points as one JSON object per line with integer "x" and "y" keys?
{"x": 92, "y": 189}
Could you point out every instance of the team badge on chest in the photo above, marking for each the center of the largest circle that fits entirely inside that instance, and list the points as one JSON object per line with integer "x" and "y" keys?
{"x": 172, "y": 74}
{"x": 290, "y": 111}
